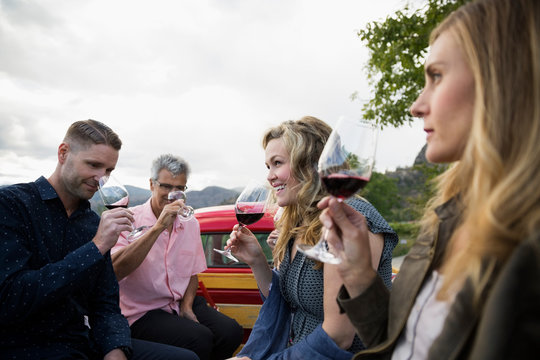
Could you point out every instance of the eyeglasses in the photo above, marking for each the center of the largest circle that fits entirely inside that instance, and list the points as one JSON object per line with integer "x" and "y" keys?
{"x": 170, "y": 187}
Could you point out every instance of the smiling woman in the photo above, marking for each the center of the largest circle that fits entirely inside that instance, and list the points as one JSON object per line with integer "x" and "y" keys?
{"x": 299, "y": 284}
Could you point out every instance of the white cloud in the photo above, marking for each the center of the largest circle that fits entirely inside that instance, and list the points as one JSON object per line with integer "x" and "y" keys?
{"x": 202, "y": 79}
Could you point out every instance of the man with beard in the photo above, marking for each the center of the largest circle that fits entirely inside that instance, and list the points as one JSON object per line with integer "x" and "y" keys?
{"x": 58, "y": 291}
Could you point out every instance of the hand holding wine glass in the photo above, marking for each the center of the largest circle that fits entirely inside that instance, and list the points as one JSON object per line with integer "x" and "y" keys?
{"x": 345, "y": 167}
{"x": 186, "y": 212}
{"x": 115, "y": 195}
{"x": 250, "y": 207}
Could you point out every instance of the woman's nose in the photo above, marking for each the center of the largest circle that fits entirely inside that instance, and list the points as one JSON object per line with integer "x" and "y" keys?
{"x": 270, "y": 176}
{"x": 419, "y": 108}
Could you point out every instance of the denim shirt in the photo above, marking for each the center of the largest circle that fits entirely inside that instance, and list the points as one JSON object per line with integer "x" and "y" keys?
{"x": 270, "y": 334}
{"x": 53, "y": 278}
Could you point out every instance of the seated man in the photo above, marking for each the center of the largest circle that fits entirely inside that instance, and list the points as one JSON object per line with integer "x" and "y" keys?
{"x": 157, "y": 273}
{"x": 58, "y": 292}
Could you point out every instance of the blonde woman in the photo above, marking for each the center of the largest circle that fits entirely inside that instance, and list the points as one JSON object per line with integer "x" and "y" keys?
{"x": 469, "y": 287}
{"x": 308, "y": 289}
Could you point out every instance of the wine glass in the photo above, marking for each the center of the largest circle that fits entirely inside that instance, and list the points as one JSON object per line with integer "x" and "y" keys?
{"x": 115, "y": 195}
{"x": 250, "y": 207}
{"x": 345, "y": 167}
{"x": 186, "y": 212}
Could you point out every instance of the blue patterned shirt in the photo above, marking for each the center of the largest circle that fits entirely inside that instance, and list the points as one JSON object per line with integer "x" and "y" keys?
{"x": 53, "y": 277}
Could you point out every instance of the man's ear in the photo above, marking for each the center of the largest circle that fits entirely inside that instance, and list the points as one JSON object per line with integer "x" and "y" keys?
{"x": 63, "y": 150}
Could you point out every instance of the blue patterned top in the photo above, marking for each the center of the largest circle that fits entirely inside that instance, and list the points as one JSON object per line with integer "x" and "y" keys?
{"x": 52, "y": 276}
{"x": 302, "y": 285}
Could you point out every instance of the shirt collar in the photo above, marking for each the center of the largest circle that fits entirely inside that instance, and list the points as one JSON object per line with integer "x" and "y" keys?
{"x": 47, "y": 192}
{"x": 450, "y": 208}
{"x": 177, "y": 224}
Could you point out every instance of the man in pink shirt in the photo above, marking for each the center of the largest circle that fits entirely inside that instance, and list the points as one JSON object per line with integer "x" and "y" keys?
{"x": 157, "y": 273}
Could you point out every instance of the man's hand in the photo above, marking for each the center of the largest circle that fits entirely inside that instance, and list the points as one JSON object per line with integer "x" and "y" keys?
{"x": 188, "y": 314}
{"x": 115, "y": 354}
{"x": 112, "y": 223}
{"x": 169, "y": 213}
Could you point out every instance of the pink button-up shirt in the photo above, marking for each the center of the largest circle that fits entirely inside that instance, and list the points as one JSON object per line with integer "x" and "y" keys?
{"x": 162, "y": 278}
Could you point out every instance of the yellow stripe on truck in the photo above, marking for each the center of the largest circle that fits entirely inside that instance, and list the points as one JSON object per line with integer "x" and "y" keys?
{"x": 228, "y": 281}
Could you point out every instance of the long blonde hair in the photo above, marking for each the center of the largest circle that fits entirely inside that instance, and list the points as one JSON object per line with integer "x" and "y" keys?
{"x": 304, "y": 140}
{"x": 497, "y": 176}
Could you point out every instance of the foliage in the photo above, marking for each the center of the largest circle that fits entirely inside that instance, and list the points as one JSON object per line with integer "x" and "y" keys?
{"x": 382, "y": 192}
{"x": 407, "y": 232}
{"x": 427, "y": 174}
{"x": 398, "y": 47}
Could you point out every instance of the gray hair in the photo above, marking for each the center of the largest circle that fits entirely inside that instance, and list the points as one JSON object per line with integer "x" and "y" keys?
{"x": 175, "y": 164}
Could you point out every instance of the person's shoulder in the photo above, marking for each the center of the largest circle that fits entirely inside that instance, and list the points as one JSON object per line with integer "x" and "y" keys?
{"x": 141, "y": 209}
{"x": 360, "y": 204}
{"x": 17, "y": 190}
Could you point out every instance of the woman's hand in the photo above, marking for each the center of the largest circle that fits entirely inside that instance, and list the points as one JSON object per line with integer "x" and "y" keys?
{"x": 272, "y": 238}
{"x": 245, "y": 246}
{"x": 348, "y": 236}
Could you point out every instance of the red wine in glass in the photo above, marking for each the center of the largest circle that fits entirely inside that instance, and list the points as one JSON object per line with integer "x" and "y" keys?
{"x": 110, "y": 207}
{"x": 342, "y": 185}
{"x": 250, "y": 207}
{"x": 115, "y": 195}
{"x": 345, "y": 167}
{"x": 248, "y": 219}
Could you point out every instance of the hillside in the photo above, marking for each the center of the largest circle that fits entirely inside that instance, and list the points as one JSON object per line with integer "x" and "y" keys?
{"x": 210, "y": 196}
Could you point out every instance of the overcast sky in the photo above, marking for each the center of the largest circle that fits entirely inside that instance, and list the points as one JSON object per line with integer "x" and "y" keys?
{"x": 202, "y": 79}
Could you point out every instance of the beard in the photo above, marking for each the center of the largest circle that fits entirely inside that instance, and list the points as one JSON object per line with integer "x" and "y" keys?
{"x": 74, "y": 184}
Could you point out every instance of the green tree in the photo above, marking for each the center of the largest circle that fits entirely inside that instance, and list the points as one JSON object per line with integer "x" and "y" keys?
{"x": 425, "y": 187}
{"x": 382, "y": 192}
{"x": 398, "y": 47}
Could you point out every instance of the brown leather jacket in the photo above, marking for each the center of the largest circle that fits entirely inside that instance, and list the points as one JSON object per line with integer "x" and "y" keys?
{"x": 507, "y": 326}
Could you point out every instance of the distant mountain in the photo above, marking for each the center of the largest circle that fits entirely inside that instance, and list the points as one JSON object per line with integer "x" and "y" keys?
{"x": 210, "y": 196}
{"x": 137, "y": 195}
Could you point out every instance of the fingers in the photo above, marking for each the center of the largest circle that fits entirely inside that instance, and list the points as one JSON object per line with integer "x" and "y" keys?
{"x": 121, "y": 219}
{"x": 112, "y": 224}
{"x": 323, "y": 203}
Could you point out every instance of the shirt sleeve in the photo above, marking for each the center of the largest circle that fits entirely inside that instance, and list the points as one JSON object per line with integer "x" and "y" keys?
{"x": 28, "y": 290}
{"x": 317, "y": 345}
{"x": 368, "y": 312}
{"x": 199, "y": 265}
{"x": 109, "y": 328}
{"x": 25, "y": 291}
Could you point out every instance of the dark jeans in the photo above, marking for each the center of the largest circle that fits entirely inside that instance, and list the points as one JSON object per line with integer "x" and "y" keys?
{"x": 215, "y": 337}
{"x": 146, "y": 350}
{"x": 142, "y": 350}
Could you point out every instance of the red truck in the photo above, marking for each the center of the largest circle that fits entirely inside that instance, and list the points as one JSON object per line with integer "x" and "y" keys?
{"x": 228, "y": 285}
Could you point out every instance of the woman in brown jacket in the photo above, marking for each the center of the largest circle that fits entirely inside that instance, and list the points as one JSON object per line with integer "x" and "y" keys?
{"x": 469, "y": 287}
